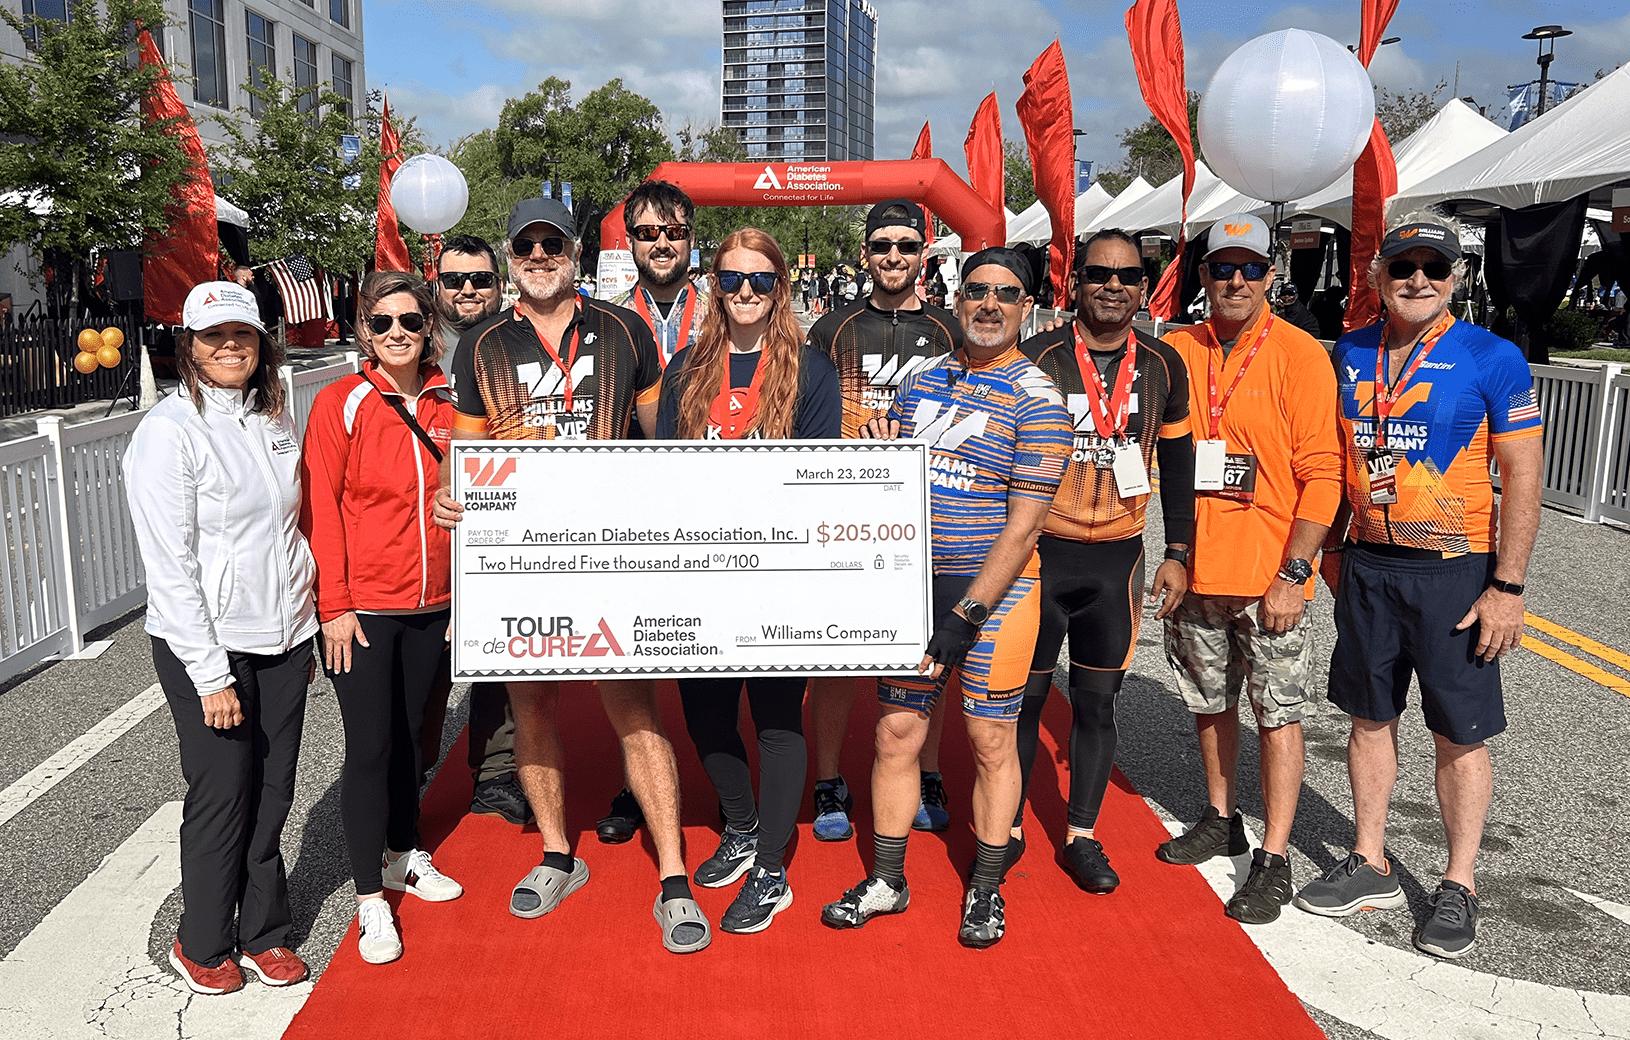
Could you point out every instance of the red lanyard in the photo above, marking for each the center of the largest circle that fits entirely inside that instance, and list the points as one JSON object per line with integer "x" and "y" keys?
{"x": 1109, "y": 414}
{"x": 733, "y": 414}
{"x": 1211, "y": 377}
{"x": 554, "y": 355}
{"x": 1387, "y": 396}
{"x": 686, "y": 317}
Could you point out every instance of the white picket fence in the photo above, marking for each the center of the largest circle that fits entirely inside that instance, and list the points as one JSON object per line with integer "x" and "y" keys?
{"x": 71, "y": 562}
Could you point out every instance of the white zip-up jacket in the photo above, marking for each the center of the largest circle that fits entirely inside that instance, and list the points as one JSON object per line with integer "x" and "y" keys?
{"x": 215, "y": 499}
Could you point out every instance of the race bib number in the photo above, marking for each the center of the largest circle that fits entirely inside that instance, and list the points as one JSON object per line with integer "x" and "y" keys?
{"x": 1239, "y": 478}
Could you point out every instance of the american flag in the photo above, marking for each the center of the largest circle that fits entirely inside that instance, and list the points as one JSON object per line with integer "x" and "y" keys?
{"x": 1523, "y": 407}
{"x": 1037, "y": 466}
{"x": 304, "y": 288}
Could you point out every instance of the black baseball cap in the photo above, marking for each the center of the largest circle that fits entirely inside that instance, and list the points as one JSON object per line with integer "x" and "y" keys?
{"x": 1002, "y": 256}
{"x": 1423, "y": 235}
{"x": 913, "y": 218}
{"x": 541, "y": 211}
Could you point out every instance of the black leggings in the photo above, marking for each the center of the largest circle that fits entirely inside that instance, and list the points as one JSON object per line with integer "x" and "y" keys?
{"x": 382, "y": 704}
{"x": 1090, "y": 591}
{"x": 712, "y": 713}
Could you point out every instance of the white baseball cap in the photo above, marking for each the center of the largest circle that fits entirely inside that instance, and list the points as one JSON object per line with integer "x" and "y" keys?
{"x": 211, "y": 303}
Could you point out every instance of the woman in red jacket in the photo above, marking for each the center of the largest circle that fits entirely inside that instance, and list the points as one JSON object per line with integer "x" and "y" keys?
{"x": 374, "y": 444}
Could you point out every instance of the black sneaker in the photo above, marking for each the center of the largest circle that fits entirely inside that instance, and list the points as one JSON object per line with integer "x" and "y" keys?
{"x": 1265, "y": 892}
{"x": 1451, "y": 931}
{"x": 756, "y": 904}
{"x": 1015, "y": 852}
{"x": 624, "y": 819}
{"x": 984, "y": 917}
{"x": 932, "y": 814}
{"x": 833, "y": 804}
{"x": 737, "y": 852}
{"x": 1085, "y": 862}
{"x": 1211, "y": 836}
{"x": 865, "y": 901}
{"x": 502, "y": 796}
{"x": 1350, "y": 886}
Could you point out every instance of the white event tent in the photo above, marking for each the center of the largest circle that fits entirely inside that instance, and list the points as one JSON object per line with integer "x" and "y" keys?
{"x": 1035, "y": 225}
{"x": 1109, "y": 216}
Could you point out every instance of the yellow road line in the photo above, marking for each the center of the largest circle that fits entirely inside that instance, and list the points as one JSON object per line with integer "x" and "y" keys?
{"x": 1574, "y": 664}
{"x": 1581, "y": 642}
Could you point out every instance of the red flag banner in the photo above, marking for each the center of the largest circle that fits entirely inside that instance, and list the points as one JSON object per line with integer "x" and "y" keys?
{"x": 390, "y": 252}
{"x": 983, "y": 148}
{"x": 1375, "y": 179}
{"x": 1156, "y": 36}
{"x": 924, "y": 149}
{"x": 1049, "y": 131}
{"x": 186, "y": 252}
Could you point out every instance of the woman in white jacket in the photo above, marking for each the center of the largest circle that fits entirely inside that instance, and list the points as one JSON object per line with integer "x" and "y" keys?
{"x": 213, "y": 479}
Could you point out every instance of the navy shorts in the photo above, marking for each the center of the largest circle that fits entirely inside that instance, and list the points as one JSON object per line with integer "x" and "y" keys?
{"x": 1396, "y": 617}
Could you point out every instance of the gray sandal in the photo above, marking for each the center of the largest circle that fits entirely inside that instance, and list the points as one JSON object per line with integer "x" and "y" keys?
{"x": 545, "y": 888}
{"x": 673, "y": 914}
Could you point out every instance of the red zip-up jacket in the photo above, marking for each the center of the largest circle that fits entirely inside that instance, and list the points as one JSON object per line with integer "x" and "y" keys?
{"x": 369, "y": 483}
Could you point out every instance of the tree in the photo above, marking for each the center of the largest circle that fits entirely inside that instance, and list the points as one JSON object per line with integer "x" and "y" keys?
{"x": 492, "y": 193}
{"x": 1114, "y": 181}
{"x": 88, "y": 172}
{"x": 1018, "y": 180}
{"x": 1150, "y": 151}
{"x": 1403, "y": 111}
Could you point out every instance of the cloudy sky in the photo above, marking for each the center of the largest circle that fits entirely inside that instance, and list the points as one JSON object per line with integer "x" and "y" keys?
{"x": 452, "y": 63}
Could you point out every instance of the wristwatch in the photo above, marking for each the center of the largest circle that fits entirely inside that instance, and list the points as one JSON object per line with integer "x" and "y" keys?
{"x": 1509, "y": 587}
{"x": 975, "y": 611}
{"x": 1296, "y": 571}
{"x": 1180, "y": 555}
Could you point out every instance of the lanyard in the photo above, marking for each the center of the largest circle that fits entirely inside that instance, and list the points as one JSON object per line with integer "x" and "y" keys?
{"x": 1387, "y": 396}
{"x": 1211, "y": 378}
{"x": 733, "y": 419}
{"x": 554, "y": 355}
{"x": 687, "y": 316}
{"x": 1109, "y": 414}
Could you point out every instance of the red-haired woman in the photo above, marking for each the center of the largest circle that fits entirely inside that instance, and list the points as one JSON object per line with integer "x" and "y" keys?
{"x": 749, "y": 375}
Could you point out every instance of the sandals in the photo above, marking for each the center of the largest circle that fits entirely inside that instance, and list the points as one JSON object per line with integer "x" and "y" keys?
{"x": 672, "y": 914}
{"x": 545, "y": 888}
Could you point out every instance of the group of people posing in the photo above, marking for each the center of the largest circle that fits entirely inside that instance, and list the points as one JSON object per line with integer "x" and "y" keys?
{"x": 1273, "y": 463}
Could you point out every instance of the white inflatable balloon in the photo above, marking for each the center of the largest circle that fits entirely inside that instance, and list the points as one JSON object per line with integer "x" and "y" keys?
{"x": 1286, "y": 115}
{"x": 430, "y": 194}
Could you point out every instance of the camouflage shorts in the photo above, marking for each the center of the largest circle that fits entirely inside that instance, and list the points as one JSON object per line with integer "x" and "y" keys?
{"x": 1216, "y": 647}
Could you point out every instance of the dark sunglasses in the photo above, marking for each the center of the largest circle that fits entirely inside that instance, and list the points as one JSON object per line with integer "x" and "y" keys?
{"x": 1255, "y": 270}
{"x": 652, "y": 232}
{"x": 1436, "y": 270}
{"x": 554, "y": 245}
{"x": 977, "y": 291}
{"x": 1097, "y": 274}
{"x": 881, "y": 246}
{"x": 381, "y": 324}
{"x": 453, "y": 281}
{"x": 761, "y": 281}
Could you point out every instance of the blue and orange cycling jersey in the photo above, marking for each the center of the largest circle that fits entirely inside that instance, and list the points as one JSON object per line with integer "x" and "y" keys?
{"x": 1473, "y": 390}
{"x": 995, "y": 431}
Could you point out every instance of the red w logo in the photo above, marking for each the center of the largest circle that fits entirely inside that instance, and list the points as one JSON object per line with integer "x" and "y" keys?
{"x": 488, "y": 472}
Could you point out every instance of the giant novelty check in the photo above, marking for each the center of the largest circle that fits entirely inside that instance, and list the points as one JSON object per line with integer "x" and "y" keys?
{"x": 690, "y": 558}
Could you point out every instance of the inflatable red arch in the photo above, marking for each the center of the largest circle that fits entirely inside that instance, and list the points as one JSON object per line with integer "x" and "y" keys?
{"x": 928, "y": 181}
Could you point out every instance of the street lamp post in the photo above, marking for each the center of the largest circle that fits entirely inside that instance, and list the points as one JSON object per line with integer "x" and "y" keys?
{"x": 1390, "y": 39}
{"x": 1545, "y": 34}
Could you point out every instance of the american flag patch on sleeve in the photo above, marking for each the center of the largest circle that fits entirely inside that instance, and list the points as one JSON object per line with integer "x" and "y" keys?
{"x": 1033, "y": 465}
{"x": 1523, "y": 407}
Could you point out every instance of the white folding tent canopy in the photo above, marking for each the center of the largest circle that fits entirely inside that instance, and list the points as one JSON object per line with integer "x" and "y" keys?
{"x": 951, "y": 245}
{"x": 1161, "y": 209}
{"x": 1036, "y": 225}
{"x": 1130, "y": 195}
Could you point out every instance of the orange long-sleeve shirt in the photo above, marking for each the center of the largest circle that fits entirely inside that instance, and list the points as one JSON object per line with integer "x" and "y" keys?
{"x": 1283, "y": 413}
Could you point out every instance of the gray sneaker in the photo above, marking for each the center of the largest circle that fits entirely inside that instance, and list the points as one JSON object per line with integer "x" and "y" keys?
{"x": 1451, "y": 931}
{"x": 984, "y": 917}
{"x": 1350, "y": 886}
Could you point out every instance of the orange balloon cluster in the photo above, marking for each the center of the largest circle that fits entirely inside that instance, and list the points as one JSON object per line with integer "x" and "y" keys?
{"x": 98, "y": 349}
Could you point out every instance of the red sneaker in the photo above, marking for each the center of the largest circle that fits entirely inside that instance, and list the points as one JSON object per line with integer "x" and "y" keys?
{"x": 278, "y": 966}
{"x": 223, "y": 978}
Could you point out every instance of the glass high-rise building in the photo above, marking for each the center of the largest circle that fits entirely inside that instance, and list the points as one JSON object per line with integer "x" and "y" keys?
{"x": 800, "y": 77}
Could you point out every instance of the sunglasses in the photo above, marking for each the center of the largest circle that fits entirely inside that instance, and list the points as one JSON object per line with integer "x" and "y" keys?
{"x": 1097, "y": 274}
{"x": 1436, "y": 270}
{"x": 881, "y": 246}
{"x": 1254, "y": 270}
{"x": 730, "y": 282}
{"x": 652, "y": 232}
{"x": 381, "y": 324}
{"x": 977, "y": 291}
{"x": 554, "y": 245}
{"x": 453, "y": 281}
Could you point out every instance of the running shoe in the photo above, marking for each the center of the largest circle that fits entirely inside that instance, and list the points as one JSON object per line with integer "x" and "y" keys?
{"x": 1451, "y": 931}
{"x": 619, "y": 824}
{"x": 756, "y": 904}
{"x": 1211, "y": 836}
{"x": 377, "y": 940}
{"x": 278, "y": 966}
{"x": 865, "y": 901}
{"x": 984, "y": 917}
{"x": 1350, "y": 886}
{"x": 416, "y": 875}
{"x": 932, "y": 815}
{"x": 225, "y": 977}
{"x": 833, "y": 804}
{"x": 737, "y": 852}
{"x": 1086, "y": 863}
{"x": 502, "y": 796}
{"x": 1266, "y": 890}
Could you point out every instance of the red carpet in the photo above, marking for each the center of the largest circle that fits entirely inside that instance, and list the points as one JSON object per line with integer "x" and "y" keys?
{"x": 1156, "y": 960}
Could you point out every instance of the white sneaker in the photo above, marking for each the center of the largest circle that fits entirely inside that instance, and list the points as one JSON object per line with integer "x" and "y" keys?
{"x": 414, "y": 873}
{"x": 376, "y": 932}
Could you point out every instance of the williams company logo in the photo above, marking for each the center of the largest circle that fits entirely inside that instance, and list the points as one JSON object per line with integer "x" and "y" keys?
{"x": 767, "y": 181}
{"x": 488, "y": 473}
